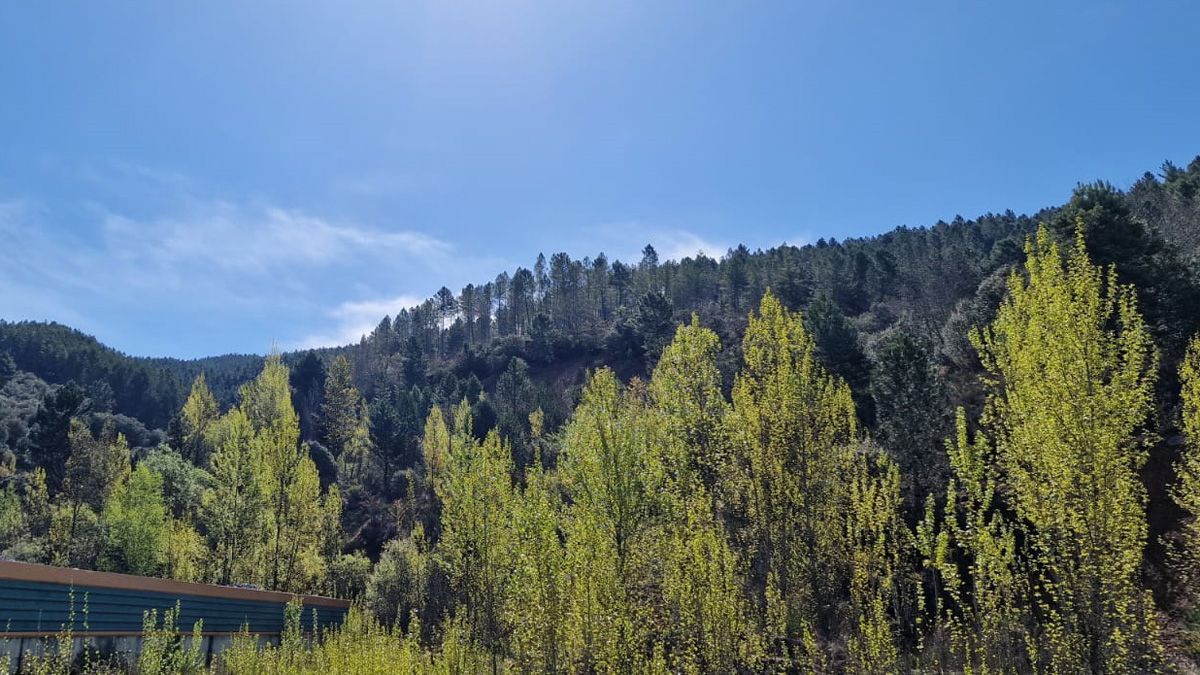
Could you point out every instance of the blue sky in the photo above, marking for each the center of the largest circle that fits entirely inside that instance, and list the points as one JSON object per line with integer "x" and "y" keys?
{"x": 191, "y": 178}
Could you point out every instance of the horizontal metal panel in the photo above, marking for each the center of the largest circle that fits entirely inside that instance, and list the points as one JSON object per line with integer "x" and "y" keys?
{"x": 66, "y": 576}
{"x": 27, "y": 606}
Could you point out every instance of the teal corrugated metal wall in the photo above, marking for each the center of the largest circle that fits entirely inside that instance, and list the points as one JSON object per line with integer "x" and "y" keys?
{"x": 44, "y": 607}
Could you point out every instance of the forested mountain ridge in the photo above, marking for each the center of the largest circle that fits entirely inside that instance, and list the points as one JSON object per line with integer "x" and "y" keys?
{"x": 592, "y": 311}
{"x": 564, "y": 316}
{"x": 597, "y": 466}
{"x": 59, "y": 354}
{"x": 150, "y": 389}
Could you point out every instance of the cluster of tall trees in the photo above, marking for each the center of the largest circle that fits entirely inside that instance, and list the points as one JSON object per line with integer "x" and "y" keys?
{"x": 973, "y": 447}
{"x": 568, "y": 309}
{"x": 238, "y": 500}
{"x": 676, "y": 529}
{"x": 672, "y": 529}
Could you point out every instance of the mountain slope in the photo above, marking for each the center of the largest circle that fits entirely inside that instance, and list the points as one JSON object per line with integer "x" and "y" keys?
{"x": 564, "y": 315}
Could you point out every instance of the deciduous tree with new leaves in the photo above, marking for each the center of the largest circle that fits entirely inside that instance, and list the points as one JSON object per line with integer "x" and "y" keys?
{"x": 199, "y": 411}
{"x": 686, "y": 390}
{"x": 536, "y": 605}
{"x": 709, "y": 624}
{"x": 475, "y": 489}
{"x": 264, "y": 513}
{"x": 291, "y": 484}
{"x": 235, "y": 510}
{"x": 1186, "y": 490}
{"x": 1055, "y": 518}
{"x": 816, "y": 569}
{"x": 138, "y": 527}
{"x": 615, "y": 524}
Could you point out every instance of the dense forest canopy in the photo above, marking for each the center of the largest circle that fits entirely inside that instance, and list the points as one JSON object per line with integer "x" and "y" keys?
{"x": 972, "y": 446}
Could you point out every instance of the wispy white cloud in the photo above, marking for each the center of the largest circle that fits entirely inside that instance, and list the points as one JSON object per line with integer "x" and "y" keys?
{"x": 154, "y": 245}
{"x": 625, "y": 239}
{"x": 798, "y": 240}
{"x": 256, "y": 240}
{"x": 353, "y": 319}
{"x": 33, "y": 272}
{"x": 284, "y": 270}
{"x": 121, "y": 175}
{"x": 680, "y": 244}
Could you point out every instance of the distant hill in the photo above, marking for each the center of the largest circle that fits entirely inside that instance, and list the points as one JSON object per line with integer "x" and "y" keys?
{"x": 151, "y": 390}
{"x": 562, "y": 316}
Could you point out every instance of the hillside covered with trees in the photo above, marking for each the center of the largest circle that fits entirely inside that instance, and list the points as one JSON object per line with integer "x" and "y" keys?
{"x": 968, "y": 447}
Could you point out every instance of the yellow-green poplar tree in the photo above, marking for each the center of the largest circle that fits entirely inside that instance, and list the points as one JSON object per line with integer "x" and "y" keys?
{"x": 137, "y": 525}
{"x": 1071, "y": 370}
{"x": 789, "y": 423}
{"x": 476, "y": 542}
{"x": 614, "y": 526}
{"x": 985, "y": 612}
{"x": 235, "y": 510}
{"x": 291, "y": 482}
{"x": 1186, "y": 490}
{"x": 435, "y": 454}
{"x": 795, "y": 441}
{"x": 706, "y": 618}
{"x": 875, "y": 535}
{"x": 196, "y": 417}
{"x": 707, "y": 623}
{"x": 686, "y": 391}
{"x": 330, "y": 530}
{"x": 536, "y": 608}
{"x": 185, "y": 551}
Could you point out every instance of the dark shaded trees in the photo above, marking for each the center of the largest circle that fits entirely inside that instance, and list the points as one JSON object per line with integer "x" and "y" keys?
{"x": 1167, "y": 289}
{"x": 308, "y": 386}
{"x": 50, "y": 443}
{"x": 653, "y": 324}
{"x": 910, "y": 412}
